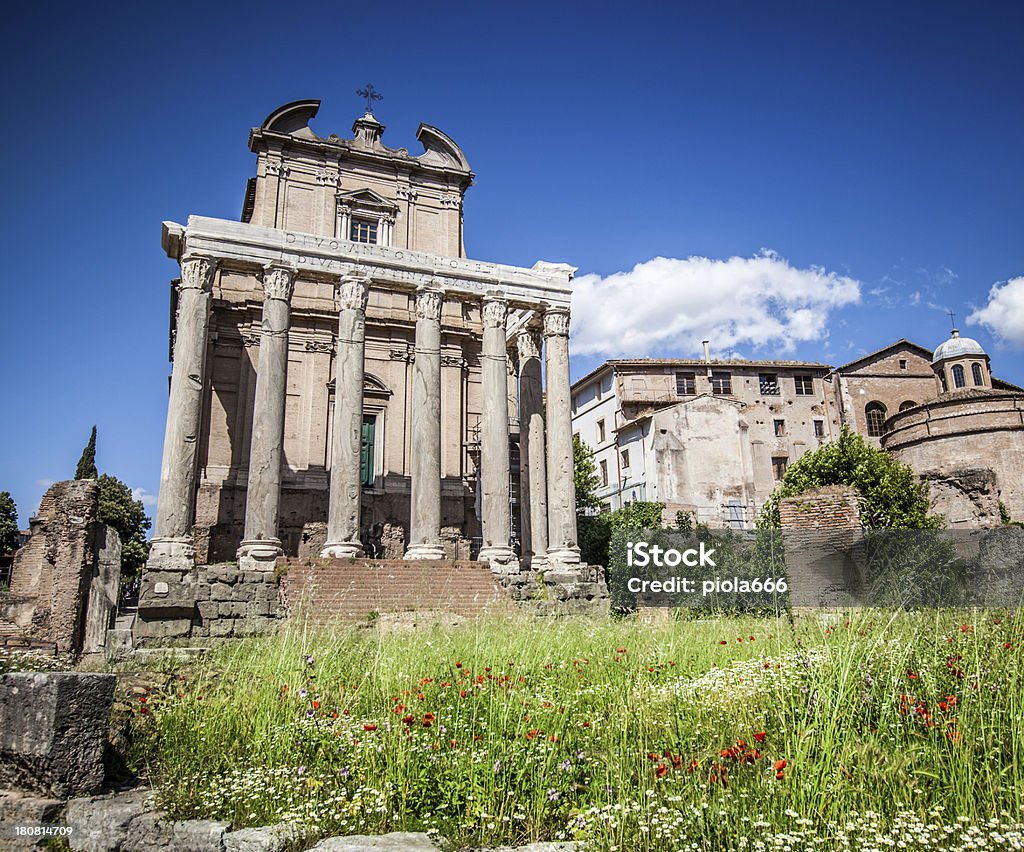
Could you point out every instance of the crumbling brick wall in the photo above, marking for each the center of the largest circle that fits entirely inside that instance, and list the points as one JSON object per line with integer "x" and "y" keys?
{"x": 52, "y": 573}
{"x": 822, "y": 535}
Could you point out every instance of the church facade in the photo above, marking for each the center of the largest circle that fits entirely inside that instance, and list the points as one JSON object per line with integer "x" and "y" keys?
{"x": 347, "y": 382}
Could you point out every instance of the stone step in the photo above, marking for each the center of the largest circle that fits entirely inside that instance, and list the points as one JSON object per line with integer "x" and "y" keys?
{"x": 353, "y": 589}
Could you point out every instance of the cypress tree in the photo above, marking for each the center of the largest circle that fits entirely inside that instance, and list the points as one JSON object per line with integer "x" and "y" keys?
{"x": 87, "y": 463}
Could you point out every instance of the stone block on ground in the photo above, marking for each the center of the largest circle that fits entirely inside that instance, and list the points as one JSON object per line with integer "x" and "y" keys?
{"x": 102, "y": 823}
{"x": 53, "y": 730}
{"x": 397, "y": 841}
{"x": 268, "y": 838}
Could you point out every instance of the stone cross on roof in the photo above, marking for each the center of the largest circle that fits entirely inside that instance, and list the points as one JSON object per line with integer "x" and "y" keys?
{"x": 371, "y": 95}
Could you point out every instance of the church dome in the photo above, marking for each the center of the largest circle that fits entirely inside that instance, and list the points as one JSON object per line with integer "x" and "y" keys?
{"x": 957, "y": 347}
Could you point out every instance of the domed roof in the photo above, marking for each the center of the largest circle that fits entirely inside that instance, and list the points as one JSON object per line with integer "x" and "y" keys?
{"x": 957, "y": 347}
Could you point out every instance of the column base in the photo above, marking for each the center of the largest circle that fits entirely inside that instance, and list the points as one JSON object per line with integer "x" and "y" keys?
{"x": 342, "y": 550}
{"x": 425, "y": 551}
{"x": 259, "y": 554}
{"x": 171, "y": 554}
{"x": 502, "y": 558}
{"x": 558, "y": 556}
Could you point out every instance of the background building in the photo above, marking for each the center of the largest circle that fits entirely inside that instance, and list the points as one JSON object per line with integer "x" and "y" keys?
{"x": 714, "y": 437}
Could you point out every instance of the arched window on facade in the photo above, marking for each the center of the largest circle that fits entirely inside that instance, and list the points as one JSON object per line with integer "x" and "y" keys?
{"x": 959, "y": 377}
{"x": 875, "y": 414}
{"x": 907, "y": 404}
{"x": 976, "y": 374}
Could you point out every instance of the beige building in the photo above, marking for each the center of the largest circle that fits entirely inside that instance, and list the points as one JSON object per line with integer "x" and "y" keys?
{"x": 709, "y": 437}
{"x": 714, "y": 437}
{"x": 966, "y": 438}
{"x": 346, "y": 380}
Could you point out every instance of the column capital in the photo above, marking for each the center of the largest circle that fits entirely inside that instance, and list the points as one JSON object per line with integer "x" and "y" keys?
{"x": 528, "y": 343}
{"x": 556, "y": 322}
{"x": 495, "y": 310}
{"x": 278, "y": 282}
{"x": 352, "y": 291}
{"x": 197, "y": 273}
{"x": 428, "y": 302}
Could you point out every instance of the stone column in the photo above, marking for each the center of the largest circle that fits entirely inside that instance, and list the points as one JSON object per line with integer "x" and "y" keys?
{"x": 532, "y": 464}
{"x": 496, "y": 513}
{"x": 260, "y": 542}
{"x": 562, "y": 546}
{"x": 172, "y": 541}
{"x": 425, "y": 502}
{"x": 343, "y": 516}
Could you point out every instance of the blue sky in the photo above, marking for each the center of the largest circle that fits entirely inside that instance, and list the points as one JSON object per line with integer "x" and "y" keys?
{"x": 820, "y": 178}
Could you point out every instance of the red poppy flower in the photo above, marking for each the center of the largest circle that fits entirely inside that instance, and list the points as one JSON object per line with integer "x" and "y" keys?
{"x": 780, "y": 764}
{"x": 661, "y": 770}
{"x": 369, "y": 727}
{"x": 458, "y": 665}
{"x": 409, "y": 719}
{"x": 759, "y": 736}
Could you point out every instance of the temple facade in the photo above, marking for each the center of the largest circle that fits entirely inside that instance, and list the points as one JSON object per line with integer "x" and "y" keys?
{"x": 347, "y": 382}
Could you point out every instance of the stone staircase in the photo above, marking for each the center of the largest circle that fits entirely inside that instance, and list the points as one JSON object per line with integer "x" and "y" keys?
{"x": 354, "y": 590}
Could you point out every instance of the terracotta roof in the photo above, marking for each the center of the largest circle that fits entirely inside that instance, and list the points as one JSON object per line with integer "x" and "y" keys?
{"x": 901, "y": 343}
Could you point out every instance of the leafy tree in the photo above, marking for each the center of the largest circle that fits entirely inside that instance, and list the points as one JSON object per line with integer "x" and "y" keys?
{"x": 585, "y": 474}
{"x": 9, "y": 539}
{"x": 890, "y": 496}
{"x": 118, "y": 509}
{"x": 87, "y": 463}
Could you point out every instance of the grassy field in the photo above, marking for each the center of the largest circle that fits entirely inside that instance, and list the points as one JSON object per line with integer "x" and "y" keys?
{"x": 860, "y": 731}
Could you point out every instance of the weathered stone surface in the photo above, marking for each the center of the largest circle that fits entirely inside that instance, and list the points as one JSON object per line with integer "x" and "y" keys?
{"x": 174, "y": 514}
{"x": 53, "y": 729}
{"x": 27, "y": 809}
{"x": 231, "y": 609}
{"x": 397, "y": 841}
{"x": 343, "y": 516}
{"x": 149, "y": 626}
{"x": 532, "y": 462}
{"x": 562, "y": 544}
{"x": 104, "y": 587}
{"x": 51, "y": 574}
{"x": 151, "y": 832}
{"x": 102, "y": 823}
{"x": 425, "y": 500}
{"x": 494, "y": 433}
{"x": 269, "y": 838}
{"x": 263, "y": 493}
{"x": 220, "y": 592}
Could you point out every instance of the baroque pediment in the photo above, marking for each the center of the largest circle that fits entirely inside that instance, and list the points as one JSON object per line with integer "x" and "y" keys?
{"x": 366, "y": 198}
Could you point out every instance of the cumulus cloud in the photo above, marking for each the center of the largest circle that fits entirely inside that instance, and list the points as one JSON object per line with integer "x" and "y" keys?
{"x": 668, "y": 305}
{"x": 1003, "y": 315}
{"x": 143, "y": 495}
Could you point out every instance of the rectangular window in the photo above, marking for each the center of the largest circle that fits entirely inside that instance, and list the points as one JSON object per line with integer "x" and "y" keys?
{"x": 903, "y": 363}
{"x": 769, "y": 383}
{"x": 779, "y": 465}
{"x": 604, "y": 473}
{"x": 366, "y": 450}
{"x": 625, "y": 458}
{"x": 686, "y": 384}
{"x": 804, "y": 385}
{"x": 363, "y": 230}
{"x": 600, "y": 431}
{"x": 819, "y": 428}
{"x": 721, "y": 383}
{"x": 780, "y": 428}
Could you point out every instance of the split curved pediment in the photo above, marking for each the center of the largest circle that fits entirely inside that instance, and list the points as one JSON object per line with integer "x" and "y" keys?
{"x": 440, "y": 149}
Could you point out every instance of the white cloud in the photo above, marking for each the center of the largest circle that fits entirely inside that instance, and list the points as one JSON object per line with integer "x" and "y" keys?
{"x": 669, "y": 305}
{"x": 1004, "y": 313}
{"x": 143, "y": 495}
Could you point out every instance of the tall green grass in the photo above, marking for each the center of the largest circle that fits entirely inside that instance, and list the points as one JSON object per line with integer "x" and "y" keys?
{"x": 630, "y": 735}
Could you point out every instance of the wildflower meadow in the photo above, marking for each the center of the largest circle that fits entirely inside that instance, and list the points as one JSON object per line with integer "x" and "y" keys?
{"x": 863, "y": 730}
